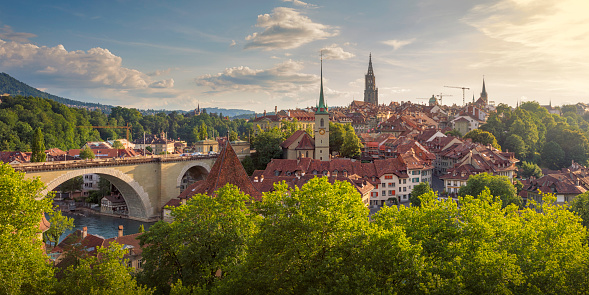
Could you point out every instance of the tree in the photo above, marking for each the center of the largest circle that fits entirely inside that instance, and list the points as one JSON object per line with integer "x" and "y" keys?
{"x": 233, "y": 136}
{"x": 72, "y": 185}
{"x": 117, "y": 145}
{"x": 516, "y": 144}
{"x": 580, "y": 206}
{"x": 38, "y": 154}
{"x": 530, "y": 169}
{"x": 499, "y": 186}
{"x": 141, "y": 228}
{"x": 87, "y": 153}
{"x": 106, "y": 274}
{"x": 267, "y": 146}
{"x": 352, "y": 147}
{"x": 553, "y": 155}
{"x": 203, "y": 131}
{"x": 482, "y": 137}
{"x": 417, "y": 191}
{"x": 317, "y": 239}
{"x": 208, "y": 234}
{"x": 59, "y": 224}
{"x": 336, "y": 137}
{"x": 454, "y": 132}
{"x": 23, "y": 264}
{"x": 482, "y": 247}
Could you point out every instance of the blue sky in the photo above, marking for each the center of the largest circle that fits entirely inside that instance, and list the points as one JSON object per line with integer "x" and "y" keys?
{"x": 258, "y": 54}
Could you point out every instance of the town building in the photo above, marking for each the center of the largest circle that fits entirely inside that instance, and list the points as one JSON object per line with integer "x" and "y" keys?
{"x": 565, "y": 184}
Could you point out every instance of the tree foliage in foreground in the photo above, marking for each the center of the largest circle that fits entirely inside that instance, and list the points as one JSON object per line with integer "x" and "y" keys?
{"x": 105, "y": 274}
{"x": 417, "y": 191}
{"x": 23, "y": 265}
{"x": 207, "y": 235}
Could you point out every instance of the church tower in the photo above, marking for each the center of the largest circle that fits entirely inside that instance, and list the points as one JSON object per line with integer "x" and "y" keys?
{"x": 322, "y": 126}
{"x": 370, "y": 90}
{"x": 484, "y": 94}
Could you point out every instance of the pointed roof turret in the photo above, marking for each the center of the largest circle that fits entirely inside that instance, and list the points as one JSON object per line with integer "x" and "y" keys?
{"x": 321, "y": 108}
{"x": 226, "y": 170}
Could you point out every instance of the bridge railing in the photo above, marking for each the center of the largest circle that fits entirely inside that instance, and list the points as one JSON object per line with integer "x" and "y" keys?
{"x": 77, "y": 164}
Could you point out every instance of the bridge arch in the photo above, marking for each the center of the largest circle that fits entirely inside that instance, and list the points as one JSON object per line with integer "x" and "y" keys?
{"x": 202, "y": 168}
{"x": 138, "y": 202}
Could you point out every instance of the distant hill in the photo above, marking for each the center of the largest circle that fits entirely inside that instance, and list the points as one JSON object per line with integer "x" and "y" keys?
{"x": 14, "y": 87}
{"x": 231, "y": 113}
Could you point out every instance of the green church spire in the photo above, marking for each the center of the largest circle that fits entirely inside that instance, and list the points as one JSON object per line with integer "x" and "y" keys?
{"x": 321, "y": 108}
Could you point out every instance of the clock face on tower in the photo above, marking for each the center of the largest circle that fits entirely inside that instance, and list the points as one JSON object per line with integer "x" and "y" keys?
{"x": 321, "y": 131}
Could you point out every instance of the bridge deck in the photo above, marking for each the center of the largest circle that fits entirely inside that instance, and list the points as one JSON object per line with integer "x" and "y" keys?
{"x": 64, "y": 165}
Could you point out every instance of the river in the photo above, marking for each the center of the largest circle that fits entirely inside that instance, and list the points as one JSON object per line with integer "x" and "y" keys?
{"x": 104, "y": 226}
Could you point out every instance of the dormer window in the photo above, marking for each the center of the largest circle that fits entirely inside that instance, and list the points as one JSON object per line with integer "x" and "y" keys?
{"x": 314, "y": 172}
{"x": 276, "y": 172}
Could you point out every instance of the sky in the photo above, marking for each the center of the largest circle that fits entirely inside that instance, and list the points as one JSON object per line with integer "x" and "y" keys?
{"x": 255, "y": 55}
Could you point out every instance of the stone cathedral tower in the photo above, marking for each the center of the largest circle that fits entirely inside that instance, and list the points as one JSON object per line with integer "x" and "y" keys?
{"x": 370, "y": 90}
{"x": 322, "y": 126}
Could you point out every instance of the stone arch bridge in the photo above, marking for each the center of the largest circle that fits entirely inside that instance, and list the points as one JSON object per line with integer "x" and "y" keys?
{"x": 146, "y": 183}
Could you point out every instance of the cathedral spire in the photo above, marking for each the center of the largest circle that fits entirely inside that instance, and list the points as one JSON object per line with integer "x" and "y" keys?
{"x": 370, "y": 71}
{"x": 321, "y": 108}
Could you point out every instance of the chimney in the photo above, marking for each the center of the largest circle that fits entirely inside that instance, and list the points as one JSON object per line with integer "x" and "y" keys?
{"x": 275, "y": 110}
{"x": 264, "y": 113}
{"x": 255, "y": 179}
{"x": 84, "y": 232}
{"x": 262, "y": 178}
{"x": 120, "y": 231}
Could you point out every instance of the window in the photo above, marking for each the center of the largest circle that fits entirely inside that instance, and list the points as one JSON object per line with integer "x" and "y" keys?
{"x": 321, "y": 122}
{"x": 399, "y": 181}
{"x": 404, "y": 181}
{"x": 384, "y": 193}
{"x": 404, "y": 189}
{"x": 388, "y": 177}
{"x": 391, "y": 193}
{"x": 391, "y": 184}
{"x": 416, "y": 179}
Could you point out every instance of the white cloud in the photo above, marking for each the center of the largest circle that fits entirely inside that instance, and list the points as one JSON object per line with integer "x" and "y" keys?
{"x": 546, "y": 35}
{"x": 397, "y": 44}
{"x": 169, "y": 83}
{"x": 97, "y": 67}
{"x": 335, "y": 52}
{"x": 7, "y": 33}
{"x": 287, "y": 28}
{"x": 300, "y": 3}
{"x": 283, "y": 79}
{"x": 233, "y": 43}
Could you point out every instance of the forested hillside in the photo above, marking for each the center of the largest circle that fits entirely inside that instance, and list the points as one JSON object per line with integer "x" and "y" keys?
{"x": 537, "y": 136}
{"x": 20, "y": 116}
{"x": 13, "y": 86}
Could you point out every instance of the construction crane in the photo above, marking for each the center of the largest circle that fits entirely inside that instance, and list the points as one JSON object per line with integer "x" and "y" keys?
{"x": 463, "y": 88}
{"x": 441, "y": 95}
{"x": 128, "y": 127}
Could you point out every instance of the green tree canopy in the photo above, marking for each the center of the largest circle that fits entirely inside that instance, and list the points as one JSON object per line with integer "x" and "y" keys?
{"x": 580, "y": 206}
{"x": 417, "y": 191}
{"x": 482, "y": 137}
{"x": 514, "y": 143}
{"x": 500, "y": 187}
{"x": 530, "y": 169}
{"x": 107, "y": 274}
{"x": 87, "y": 153}
{"x": 352, "y": 147}
{"x": 117, "y": 145}
{"x": 38, "y": 154}
{"x": 208, "y": 234}
{"x": 267, "y": 146}
{"x": 59, "y": 224}
{"x": 24, "y": 268}
{"x": 454, "y": 132}
{"x": 553, "y": 155}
